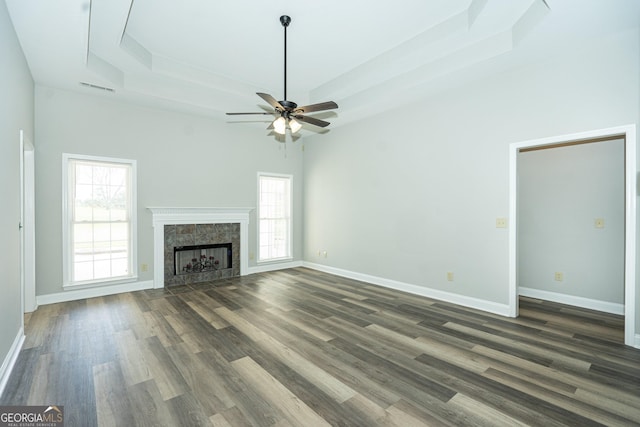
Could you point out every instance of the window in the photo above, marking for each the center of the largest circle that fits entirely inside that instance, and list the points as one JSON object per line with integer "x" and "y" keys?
{"x": 99, "y": 220}
{"x": 274, "y": 217}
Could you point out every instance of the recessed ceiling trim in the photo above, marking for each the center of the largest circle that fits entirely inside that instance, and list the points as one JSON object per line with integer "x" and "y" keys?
{"x": 475, "y": 9}
{"x": 170, "y": 68}
{"x": 422, "y": 49}
{"x": 529, "y": 20}
{"x": 177, "y": 91}
{"x": 411, "y": 86}
{"x": 464, "y": 57}
{"x": 389, "y": 64}
{"x": 126, "y": 22}
{"x": 136, "y": 50}
{"x": 414, "y": 62}
{"x": 105, "y": 69}
{"x": 187, "y": 73}
{"x": 88, "y": 35}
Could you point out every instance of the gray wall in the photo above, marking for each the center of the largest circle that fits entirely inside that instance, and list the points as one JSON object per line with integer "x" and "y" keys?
{"x": 16, "y": 112}
{"x": 561, "y": 191}
{"x": 415, "y": 193}
{"x": 182, "y": 161}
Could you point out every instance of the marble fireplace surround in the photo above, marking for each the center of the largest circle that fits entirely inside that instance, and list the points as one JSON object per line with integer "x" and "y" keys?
{"x": 175, "y": 216}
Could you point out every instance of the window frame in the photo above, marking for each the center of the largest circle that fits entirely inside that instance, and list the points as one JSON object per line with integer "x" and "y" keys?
{"x": 67, "y": 219}
{"x": 289, "y": 256}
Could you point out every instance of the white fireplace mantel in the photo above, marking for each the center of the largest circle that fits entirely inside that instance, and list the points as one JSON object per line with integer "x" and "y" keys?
{"x": 172, "y": 216}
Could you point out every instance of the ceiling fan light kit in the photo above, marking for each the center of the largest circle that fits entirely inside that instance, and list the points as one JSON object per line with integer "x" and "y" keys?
{"x": 295, "y": 126}
{"x": 288, "y": 111}
{"x": 279, "y": 125}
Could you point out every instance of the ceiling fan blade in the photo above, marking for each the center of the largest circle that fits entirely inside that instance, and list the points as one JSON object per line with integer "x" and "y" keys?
{"x": 330, "y": 105}
{"x": 311, "y": 120}
{"x": 239, "y": 114}
{"x": 271, "y": 100}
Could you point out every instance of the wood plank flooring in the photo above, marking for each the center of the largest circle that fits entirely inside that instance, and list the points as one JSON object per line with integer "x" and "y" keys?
{"x": 303, "y": 348}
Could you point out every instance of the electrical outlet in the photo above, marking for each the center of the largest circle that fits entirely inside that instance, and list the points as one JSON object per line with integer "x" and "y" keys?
{"x": 252, "y": 255}
{"x": 501, "y": 222}
{"x": 599, "y": 223}
{"x": 558, "y": 276}
{"x": 450, "y": 276}
{"x": 324, "y": 254}
{"x": 144, "y": 267}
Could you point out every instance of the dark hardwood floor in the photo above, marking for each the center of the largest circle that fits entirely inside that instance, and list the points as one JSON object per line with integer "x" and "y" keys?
{"x": 303, "y": 348}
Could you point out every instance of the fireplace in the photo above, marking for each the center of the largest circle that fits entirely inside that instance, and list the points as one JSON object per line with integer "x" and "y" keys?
{"x": 205, "y": 234}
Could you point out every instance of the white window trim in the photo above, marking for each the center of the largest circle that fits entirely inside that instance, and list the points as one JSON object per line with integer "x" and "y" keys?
{"x": 290, "y": 231}
{"x": 66, "y": 259}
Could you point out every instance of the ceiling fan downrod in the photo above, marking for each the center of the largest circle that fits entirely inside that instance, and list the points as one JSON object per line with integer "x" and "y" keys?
{"x": 285, "y": 20}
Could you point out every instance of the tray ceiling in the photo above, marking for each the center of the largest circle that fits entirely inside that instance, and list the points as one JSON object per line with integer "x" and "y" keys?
{"x": 207, "y": 57}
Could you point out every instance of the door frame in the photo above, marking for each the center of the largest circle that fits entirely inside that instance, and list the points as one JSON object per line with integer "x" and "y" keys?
{"x": 628, "y": 132}
{"x": 27, "y": 224}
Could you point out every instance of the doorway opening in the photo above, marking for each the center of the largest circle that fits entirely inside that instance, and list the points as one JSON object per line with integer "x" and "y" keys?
{"x": 623, "y": 132}
{"x": 27, "y": 224}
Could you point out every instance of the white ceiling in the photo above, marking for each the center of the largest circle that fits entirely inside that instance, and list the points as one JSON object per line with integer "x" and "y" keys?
{"x": 208, "y": 57}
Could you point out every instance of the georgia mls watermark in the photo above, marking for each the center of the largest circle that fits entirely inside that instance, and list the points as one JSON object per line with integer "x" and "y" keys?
{"x": 31, "y": 416}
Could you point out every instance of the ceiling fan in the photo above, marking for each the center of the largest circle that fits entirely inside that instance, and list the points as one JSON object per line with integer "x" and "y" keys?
{"x": 288, "y": 113}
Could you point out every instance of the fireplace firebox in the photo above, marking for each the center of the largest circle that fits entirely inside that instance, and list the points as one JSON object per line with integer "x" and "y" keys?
{"x": 202, "y": 258}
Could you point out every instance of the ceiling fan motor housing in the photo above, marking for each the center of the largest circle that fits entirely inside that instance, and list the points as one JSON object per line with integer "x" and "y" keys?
{"x": 289, "y": 106}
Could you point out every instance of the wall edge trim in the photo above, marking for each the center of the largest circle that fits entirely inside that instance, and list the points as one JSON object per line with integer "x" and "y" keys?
{"x": 10, "y": 360}
{"x": 264, "y": 268}
{"x": 591, "y": 304}
{"x": 469, "y": 302}
{"x": 93, "y": 292}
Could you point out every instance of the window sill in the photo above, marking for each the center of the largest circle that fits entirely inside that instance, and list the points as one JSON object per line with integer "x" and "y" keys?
{"x": 274, "y": 260}
{"x": 98, "y": 283}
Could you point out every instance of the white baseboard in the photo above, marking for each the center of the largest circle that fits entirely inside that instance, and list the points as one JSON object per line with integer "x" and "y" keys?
{"x": 274, "y": 266}
{"x": 591, "y": 304}
{"x": 93, "y": 292}
{"x": 10, "y": 360}
{"x": 637, "y": 343}
{"x": 476, "y": 303}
